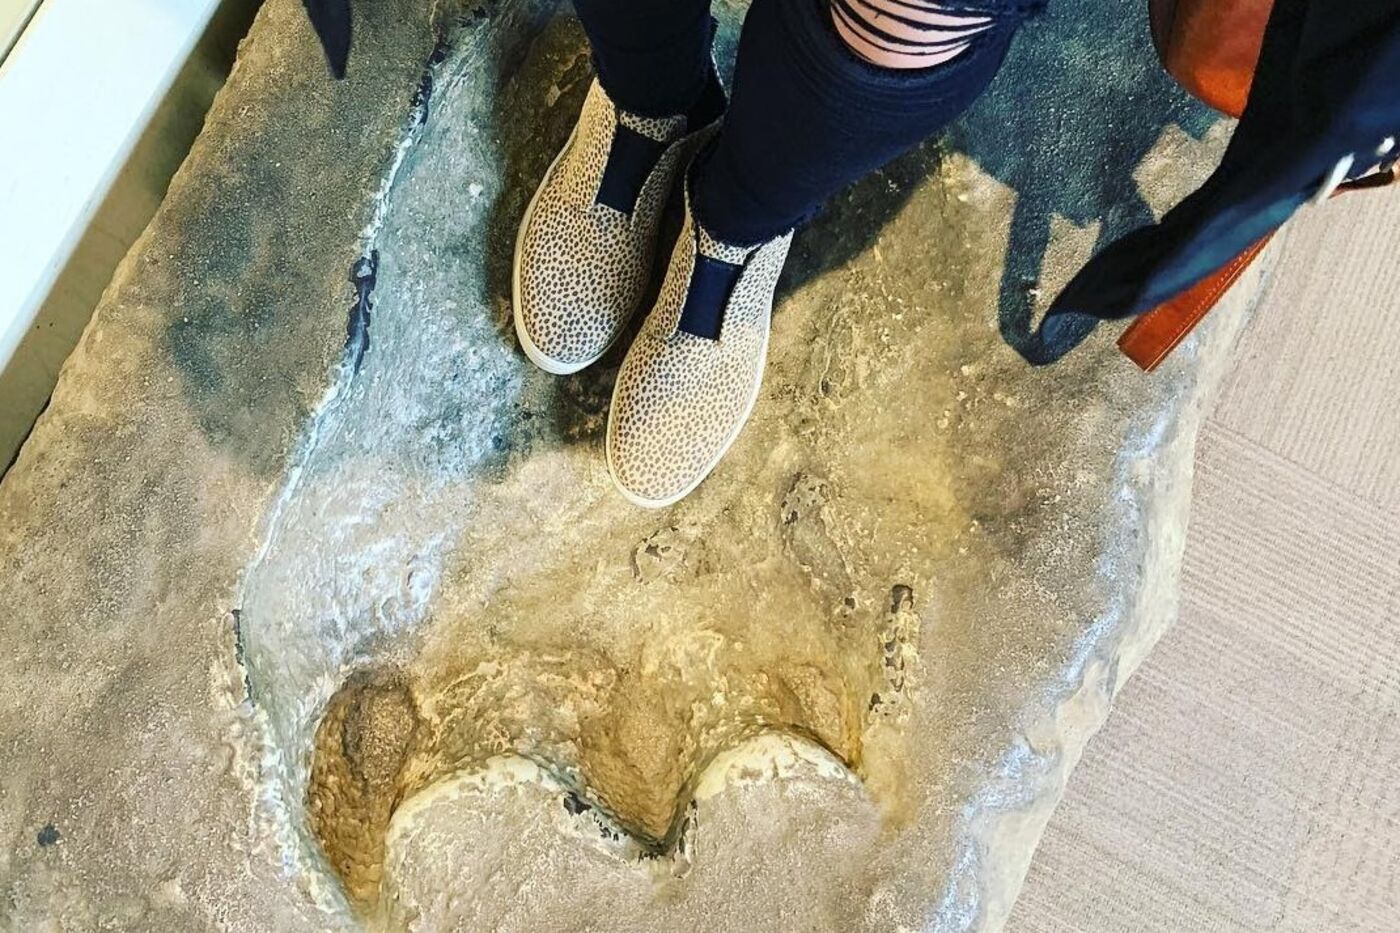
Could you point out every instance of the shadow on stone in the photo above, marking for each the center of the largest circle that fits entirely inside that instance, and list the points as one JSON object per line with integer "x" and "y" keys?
{"x": 1084, "y": 85}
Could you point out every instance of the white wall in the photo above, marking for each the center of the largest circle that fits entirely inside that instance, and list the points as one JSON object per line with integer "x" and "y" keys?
{"x": 104, "y": 99}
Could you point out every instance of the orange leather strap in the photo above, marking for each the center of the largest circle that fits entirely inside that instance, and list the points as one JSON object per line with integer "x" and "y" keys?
{"x": 1154, "y": 335}
{"x": 1211, "y": 48}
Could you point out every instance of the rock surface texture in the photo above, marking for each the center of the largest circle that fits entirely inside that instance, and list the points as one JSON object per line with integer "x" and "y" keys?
{"x": 316, "y": 625}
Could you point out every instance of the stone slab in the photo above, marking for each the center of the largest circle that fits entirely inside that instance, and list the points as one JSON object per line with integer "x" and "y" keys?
{"x": 316, "y": 624}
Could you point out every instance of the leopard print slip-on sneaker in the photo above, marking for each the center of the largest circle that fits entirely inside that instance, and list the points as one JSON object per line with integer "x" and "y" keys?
{"x": 692, "y": 376}
{"x": 585, "y": 247}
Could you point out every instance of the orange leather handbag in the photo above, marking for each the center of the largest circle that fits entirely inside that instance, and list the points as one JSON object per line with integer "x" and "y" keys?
{"x": 1212, "y": 48}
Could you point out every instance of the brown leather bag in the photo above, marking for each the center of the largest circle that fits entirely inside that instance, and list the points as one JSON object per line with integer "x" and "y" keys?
{"x": 1212, "y": 48}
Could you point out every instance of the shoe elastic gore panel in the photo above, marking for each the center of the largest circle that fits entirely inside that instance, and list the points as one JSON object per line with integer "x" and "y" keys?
{"x": 630, "y": 163}
{"x": 710, "y": 286}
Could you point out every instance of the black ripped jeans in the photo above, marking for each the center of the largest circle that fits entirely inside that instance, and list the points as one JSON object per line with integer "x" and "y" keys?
{"x": 807, "y": 118}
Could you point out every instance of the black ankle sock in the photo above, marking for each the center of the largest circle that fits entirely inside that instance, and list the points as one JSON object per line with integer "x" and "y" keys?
{"x": 633, "y": 155}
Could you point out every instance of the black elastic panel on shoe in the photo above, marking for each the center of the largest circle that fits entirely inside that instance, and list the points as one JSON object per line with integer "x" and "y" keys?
{"x": 710, "y": 286}
{"x": 630, "y": 162}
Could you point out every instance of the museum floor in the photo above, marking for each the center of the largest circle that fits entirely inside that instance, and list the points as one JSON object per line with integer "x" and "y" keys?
{"x": 1246, "y": 778}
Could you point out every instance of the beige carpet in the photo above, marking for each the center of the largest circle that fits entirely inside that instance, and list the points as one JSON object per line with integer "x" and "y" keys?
{"x": 1249, "y": 778}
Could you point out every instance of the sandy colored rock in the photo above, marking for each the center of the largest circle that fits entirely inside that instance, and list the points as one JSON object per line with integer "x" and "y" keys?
{"x": 361, "y": 635}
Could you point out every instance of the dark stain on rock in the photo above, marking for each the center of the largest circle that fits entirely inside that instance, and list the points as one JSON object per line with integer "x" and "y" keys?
{"x": 423, "y": 96}
{"x": 48, "y": 836}
{"x": 583, "y": 400}
{"x": 238, "y": 325}
{"x": 239, "y": 251}
{"x": 240, "y": 653}
{"x": 364, "y": 273}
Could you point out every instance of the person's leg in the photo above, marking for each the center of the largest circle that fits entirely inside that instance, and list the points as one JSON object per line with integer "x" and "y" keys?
{"x": 812, "y": 113}
{"x": 651, "y": 56}
{"x": 906, "y": 33}
{"x": 822, "y": 95}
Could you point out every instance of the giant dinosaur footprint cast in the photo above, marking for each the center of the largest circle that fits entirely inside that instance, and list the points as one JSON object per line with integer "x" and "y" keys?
{"x": 366, "y": 637}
